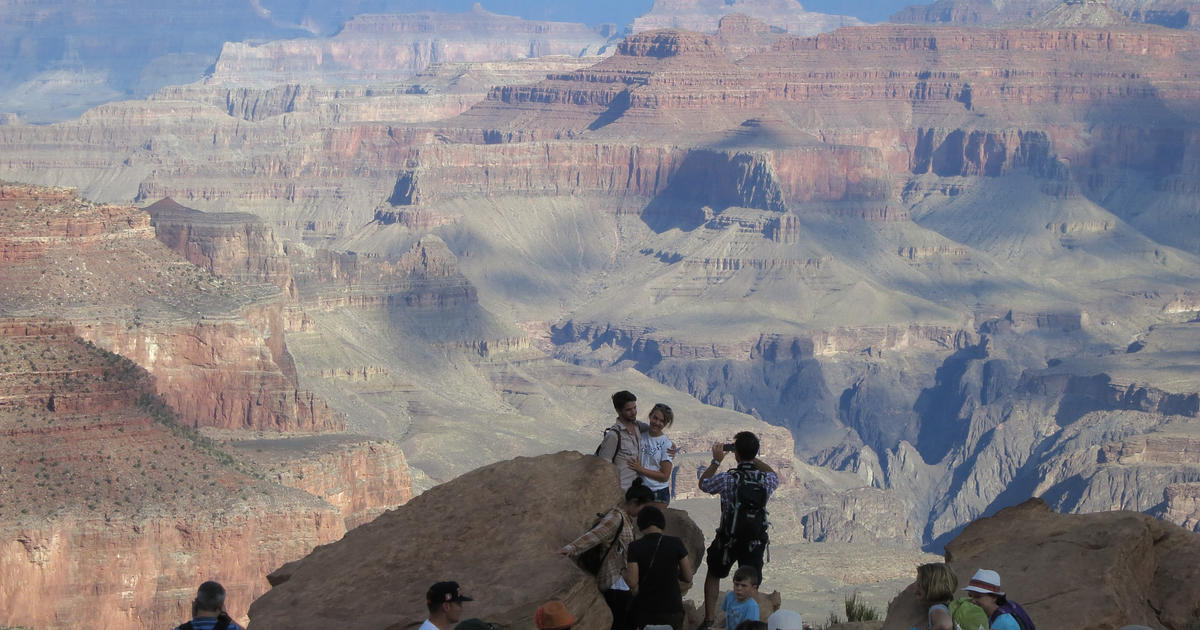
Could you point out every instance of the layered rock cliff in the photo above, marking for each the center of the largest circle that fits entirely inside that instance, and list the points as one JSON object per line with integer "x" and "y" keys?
{"x": 1169, "y": 13}
{"x": 387, "y": 48}
{"x": 703, "y": 16}
{"x": 361, "y": 478}
{"x": 215, "y": 348}
{"x": 105, "y": 488}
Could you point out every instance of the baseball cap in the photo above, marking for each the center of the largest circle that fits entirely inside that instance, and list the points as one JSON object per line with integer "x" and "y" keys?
{"x": 445, "y": 592}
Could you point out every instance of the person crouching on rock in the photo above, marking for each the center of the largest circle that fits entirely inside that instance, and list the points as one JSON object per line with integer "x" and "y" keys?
{"x": 208, "y": 610}
{"x": 615, "y": 531}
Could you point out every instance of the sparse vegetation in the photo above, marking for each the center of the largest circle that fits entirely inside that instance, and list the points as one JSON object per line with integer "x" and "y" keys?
{"x": 856, "y": 610}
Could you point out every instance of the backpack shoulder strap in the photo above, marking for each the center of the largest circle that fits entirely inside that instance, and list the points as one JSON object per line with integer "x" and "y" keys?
{"x": 603, "y": 437}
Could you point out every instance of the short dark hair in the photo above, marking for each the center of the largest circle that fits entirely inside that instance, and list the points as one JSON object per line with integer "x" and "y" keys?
{"x": 745, "y": 444}
{"x": 747, "y": 573}
{"x": 751, "y": 624}
{"x": 622, "y": 398}
{"x": 639, "y": 493}
{"x": 210, "y": 596}
{"x": 651, "y": 516}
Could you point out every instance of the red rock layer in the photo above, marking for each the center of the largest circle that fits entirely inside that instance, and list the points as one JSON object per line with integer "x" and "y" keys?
{"x": 426, "y": 276}
{"x": 111, "y": 513}
{"x": 361, "y": 478}
{"x": 237, "y": 246}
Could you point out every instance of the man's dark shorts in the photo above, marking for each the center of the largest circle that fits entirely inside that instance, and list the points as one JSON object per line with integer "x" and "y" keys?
{"x": 719, "y": 562}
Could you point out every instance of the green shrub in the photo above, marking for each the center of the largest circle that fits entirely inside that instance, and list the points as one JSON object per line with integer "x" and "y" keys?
{"x": 859, "y": 610}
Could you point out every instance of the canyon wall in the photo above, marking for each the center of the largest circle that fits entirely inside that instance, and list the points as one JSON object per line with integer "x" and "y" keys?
{"x": 113, "y": 511}
{"x": 385, "y": 48}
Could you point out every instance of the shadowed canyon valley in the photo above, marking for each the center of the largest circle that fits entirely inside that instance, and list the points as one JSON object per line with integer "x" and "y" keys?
{"x": 253, "y": 300}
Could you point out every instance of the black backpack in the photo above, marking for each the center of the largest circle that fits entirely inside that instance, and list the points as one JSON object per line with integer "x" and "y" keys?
{"x": 592, "y": 559}
{"x": 601, "y": 445}
{"x": 745, "y": 521}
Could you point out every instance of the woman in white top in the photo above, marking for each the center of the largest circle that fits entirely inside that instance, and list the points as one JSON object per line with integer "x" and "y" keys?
{"x": 655, "y": 465}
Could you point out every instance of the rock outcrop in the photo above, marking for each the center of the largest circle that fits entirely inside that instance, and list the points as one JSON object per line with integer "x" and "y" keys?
{"x": 1086, "y": 571}
{"x": 488, "y": 530}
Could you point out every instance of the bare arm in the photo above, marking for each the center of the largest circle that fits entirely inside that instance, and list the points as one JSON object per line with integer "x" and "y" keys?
{"x": 631, "y": 576}
{"x": 940, "y": 620}
{"x": 662, "y": 474}
{"x": 686, "y": 570}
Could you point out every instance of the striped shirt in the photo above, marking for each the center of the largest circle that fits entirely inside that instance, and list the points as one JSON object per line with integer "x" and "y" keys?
{"x": 602, "y": 534}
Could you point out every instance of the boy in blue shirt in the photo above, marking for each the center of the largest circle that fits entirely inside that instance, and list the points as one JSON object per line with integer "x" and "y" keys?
{"x": 740, "y": 604}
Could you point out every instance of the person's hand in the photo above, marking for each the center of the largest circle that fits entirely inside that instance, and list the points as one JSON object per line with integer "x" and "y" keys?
{"x": 634, "y": 464}
{"x": 566, "y": 551}
{"x": 672, "y": 450}
{"x": 719, "y": 451}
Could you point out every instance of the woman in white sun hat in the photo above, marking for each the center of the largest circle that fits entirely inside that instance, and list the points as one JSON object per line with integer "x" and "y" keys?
{"x": 984, "y": 589}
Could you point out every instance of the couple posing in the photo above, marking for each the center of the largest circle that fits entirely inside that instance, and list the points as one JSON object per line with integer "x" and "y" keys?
{"x": 640, "y": 449}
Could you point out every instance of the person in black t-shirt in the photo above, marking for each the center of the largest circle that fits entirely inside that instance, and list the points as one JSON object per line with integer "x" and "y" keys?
{"x": 657, "y": 563}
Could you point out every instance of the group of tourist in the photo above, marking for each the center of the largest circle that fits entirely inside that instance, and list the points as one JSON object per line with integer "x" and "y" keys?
{"x": 985, "y": 606}
{"x": 643, "y": 579}
{"x": 643, "y": 571}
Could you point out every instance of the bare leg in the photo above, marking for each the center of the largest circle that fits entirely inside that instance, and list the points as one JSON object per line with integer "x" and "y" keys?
{"x": 712, "y": 584}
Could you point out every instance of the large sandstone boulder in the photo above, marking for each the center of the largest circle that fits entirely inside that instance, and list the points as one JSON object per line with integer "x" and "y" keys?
{"x": 495, "y": 530}
{"x": 1078, "y": 571}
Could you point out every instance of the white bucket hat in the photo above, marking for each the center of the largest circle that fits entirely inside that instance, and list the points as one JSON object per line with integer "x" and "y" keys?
{"x": 985, "y": 581}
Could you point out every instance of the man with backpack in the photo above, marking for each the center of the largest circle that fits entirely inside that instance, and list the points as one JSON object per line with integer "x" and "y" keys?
{"x": 208, "y": 610}
{"x": 623, "y": 440}
{"x": 742, "y": 534}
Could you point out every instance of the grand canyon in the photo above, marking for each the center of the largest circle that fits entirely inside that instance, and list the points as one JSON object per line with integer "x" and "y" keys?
{"x": 264, "y": 286}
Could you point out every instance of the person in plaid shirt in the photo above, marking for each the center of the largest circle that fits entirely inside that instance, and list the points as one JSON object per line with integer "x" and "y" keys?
{"x": 616, "y": 527}
{"x": 722, "y": 553}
